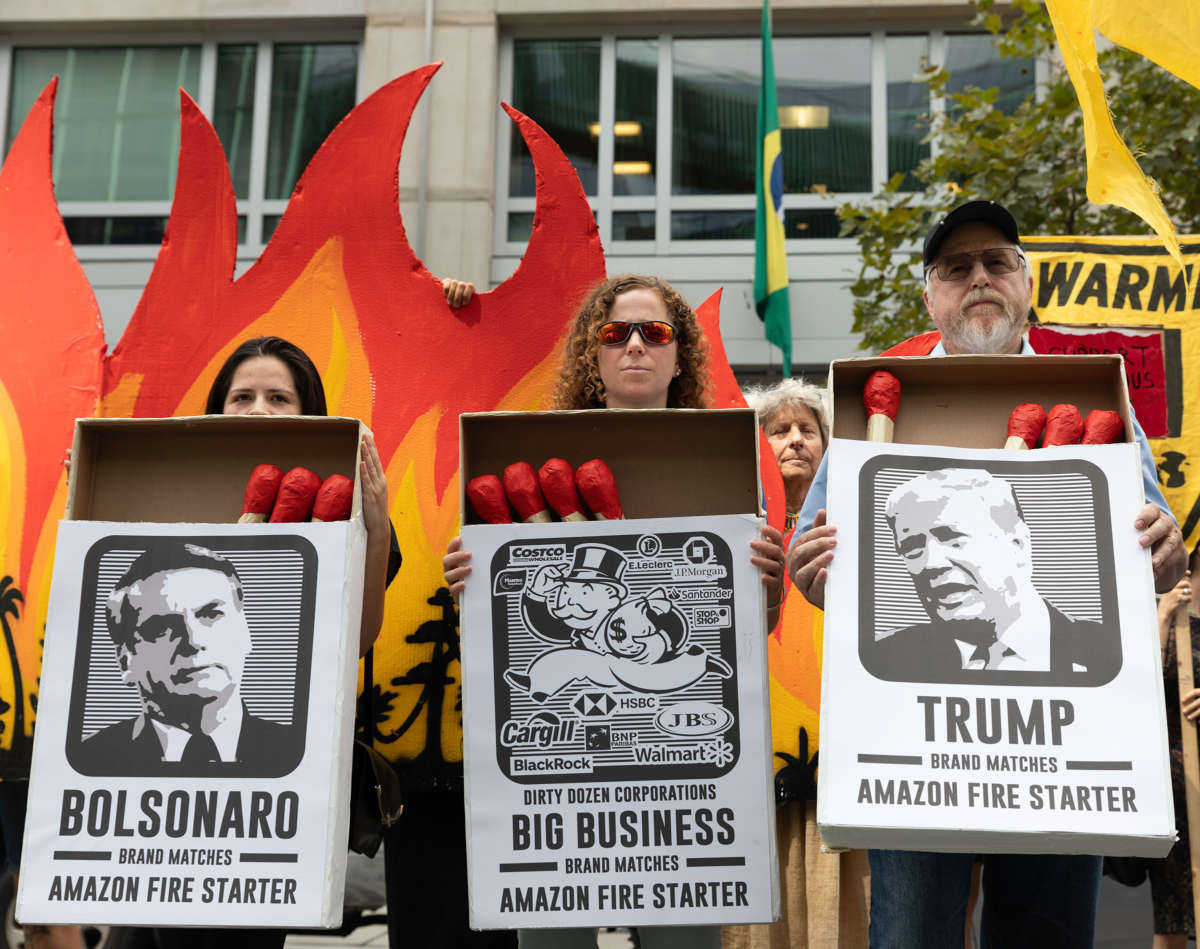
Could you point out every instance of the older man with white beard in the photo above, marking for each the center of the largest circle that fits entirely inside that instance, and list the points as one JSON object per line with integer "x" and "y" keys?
{"x": 978, "y": 290}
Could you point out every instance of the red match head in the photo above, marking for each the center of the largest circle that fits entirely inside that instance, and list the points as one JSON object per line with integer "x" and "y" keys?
{"x": 486, "y": 495}
{"x": 1102, "y": 427}
{"x": 1064, "y": 426}
{"x": 1027, "y": 422}
{"x": 599, "y": 489}
{"x": 297, "y": 491}
{"x": 334, "y": 499}
{"x": 524, "y": 492}
{"x": 557, "y": 479}
{"x": 261, "y": 490}
{"x": 881, "y": 394}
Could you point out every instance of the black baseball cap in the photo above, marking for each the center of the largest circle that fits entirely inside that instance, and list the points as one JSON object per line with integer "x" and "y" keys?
{"x": 989, "y": 212}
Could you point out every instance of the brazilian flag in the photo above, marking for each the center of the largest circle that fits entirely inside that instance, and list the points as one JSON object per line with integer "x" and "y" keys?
{"x": 770, "y": 261}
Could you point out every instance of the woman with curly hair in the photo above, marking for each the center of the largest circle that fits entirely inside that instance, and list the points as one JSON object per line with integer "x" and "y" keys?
{"x": 636, "y": 344}
{"x": 607, "y": 370}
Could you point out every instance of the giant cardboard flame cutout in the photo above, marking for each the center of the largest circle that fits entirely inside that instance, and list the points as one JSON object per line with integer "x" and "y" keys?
{"x": 340, "y": 279}
{"x": 49, "y": 375}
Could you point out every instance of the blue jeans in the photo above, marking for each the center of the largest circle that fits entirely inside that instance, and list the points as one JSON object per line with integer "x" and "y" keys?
{"x": 920, "y": 900}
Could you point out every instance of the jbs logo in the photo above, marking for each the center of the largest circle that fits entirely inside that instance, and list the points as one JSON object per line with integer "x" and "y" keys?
{"x": 693, "y": 719}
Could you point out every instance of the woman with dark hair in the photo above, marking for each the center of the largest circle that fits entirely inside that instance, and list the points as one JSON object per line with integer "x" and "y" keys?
{"x": 297, "y": 370}
{"x": 270, "y": 376}
{"x": 636, "y": 344}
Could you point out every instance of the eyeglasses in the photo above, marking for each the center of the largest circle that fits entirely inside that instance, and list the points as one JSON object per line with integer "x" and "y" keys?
{"x": 654, "y": 332}
{"x": 996, "y": 260}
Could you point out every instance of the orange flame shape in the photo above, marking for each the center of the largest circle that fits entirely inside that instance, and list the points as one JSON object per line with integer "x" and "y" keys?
{"x": 339, "y": 279}
{"x": 49, "y": 375}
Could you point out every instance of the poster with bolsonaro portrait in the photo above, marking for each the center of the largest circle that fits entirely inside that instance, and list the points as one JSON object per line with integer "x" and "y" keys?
{"x": 191, "y": 759}
{"x": 991, "y": 678}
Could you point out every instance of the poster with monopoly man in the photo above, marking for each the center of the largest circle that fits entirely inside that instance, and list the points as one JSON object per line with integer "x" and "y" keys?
{"x": 997, "y": 605}
{"x": 617, "y": 741}
{"x": 191, "y": 760}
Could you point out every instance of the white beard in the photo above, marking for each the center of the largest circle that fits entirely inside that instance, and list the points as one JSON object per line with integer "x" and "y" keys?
{"x": 984, "y": 337}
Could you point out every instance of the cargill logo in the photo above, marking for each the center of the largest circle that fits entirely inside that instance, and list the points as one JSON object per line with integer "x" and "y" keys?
{"x": 543, "y": 730}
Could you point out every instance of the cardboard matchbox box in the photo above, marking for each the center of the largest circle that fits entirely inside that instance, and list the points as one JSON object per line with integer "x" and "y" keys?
{"x": 194, "y": 470}
{"x": 616, "y": 671}
{"x": 996, "y": 604}
{"x": 667, "y": 463}
{"x": 965, "y": 401}
{"x": 125, "y": 825}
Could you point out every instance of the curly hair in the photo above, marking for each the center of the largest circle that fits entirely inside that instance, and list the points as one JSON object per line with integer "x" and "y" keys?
{"x": 579, "y": 383}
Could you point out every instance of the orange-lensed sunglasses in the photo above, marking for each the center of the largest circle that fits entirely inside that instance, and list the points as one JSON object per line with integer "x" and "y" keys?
{"x": 654, "y": 332}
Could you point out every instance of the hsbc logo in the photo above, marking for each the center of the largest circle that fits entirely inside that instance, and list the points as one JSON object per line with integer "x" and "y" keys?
{"x": 594, "y": 704}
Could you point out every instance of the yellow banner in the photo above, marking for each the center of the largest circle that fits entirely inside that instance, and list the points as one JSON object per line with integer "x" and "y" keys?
{"x": 1127, "y": 295}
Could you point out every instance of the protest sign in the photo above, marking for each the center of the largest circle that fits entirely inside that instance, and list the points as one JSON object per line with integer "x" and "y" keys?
{"x": 617, "y": 741}
{"x": 993, "y": 688}
{"x": 137, "y": 815}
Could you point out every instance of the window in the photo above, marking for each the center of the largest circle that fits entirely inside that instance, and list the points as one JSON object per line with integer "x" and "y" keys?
{"x": 972, "y": 61}
{"x": 116, "y": 137}
{"x": 907, "y": 102}
{"x": 662, "y": 128}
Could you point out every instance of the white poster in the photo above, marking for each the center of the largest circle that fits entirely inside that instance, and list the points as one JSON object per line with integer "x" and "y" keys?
{"x": 616, "y": 725}
{"x": 192, "y": 752}
{"x": 992, "y": 678}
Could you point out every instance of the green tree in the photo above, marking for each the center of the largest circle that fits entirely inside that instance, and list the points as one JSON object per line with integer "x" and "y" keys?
{"x": 1031, "y": 159}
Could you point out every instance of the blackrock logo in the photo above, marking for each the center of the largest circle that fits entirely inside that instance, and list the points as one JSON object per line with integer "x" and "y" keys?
{"x": 543, "y": 730}
{"x": 594, "y": 704}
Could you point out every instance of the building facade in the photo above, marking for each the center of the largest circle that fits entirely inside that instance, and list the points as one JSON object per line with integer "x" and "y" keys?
{"x": 655, "y": 106}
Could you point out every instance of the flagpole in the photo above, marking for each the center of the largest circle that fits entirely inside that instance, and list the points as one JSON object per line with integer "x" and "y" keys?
{"x": 771, "y": 286}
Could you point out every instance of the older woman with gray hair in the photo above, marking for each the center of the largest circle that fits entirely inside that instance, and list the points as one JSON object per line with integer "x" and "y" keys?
{"x": 792, "y": 415}
{"x": 823, "y": 895}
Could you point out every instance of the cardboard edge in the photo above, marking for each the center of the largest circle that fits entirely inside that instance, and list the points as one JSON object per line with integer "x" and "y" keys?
{"x": 356, "y": 506}
{"x": 767, "y": 739}
{"x": 353, "y": 578}
{"x": 77, "y": 438}
{"x": 957, "y": 841}
{"x": 462, "y": 486}
{"x": 467, "y": 718}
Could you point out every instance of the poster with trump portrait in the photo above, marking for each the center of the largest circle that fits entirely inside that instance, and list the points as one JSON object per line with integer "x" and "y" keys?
{"x": 191, "y": 761}
{"x": 617, "y": 734}
{"x": 992, "y": 679}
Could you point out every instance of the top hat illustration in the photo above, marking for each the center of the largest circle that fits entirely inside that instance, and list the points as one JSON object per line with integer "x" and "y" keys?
{"x": 595, "y": 563}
